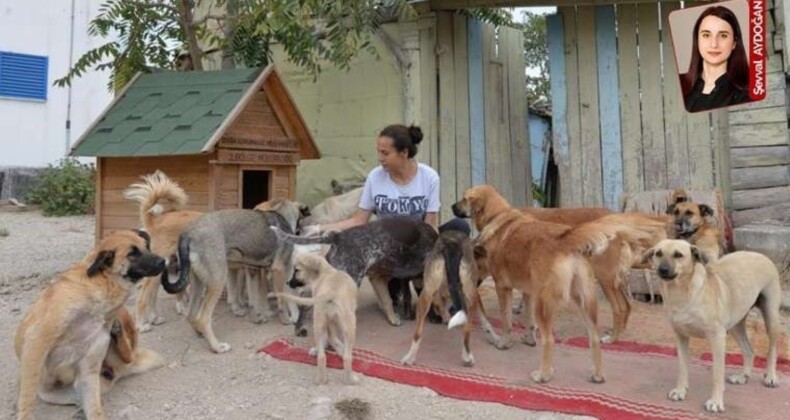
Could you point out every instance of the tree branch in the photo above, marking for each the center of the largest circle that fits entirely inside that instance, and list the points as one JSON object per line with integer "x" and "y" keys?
{"x": 205, "y": 19}
{"x": 155, "y": 6}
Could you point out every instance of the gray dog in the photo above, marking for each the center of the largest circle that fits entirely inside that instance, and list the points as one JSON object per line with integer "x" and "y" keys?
{"x": 385, "y": 249}
{"x": 204, "y": 248}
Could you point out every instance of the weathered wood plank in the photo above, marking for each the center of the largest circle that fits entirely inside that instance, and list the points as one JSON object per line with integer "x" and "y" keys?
{"x": 491, "y": 74}
{"x": 631, "y": 123}
{"x": 590, "y": 131}
{"x": 463, "y": 168}
{"x": 447, "y": 137}
{"x": 760, "y": 156}
{"x": 430, "y": 146}
{"x": 477, "y": 101}
{"x": 757, "y": 116}
{"x": 776, "y": 211}
{"x": 763, "y": 197}
{"x": 609, "y": 107}
{"x": 720, "y": 150}
{"x": 559, "y": 98}
{"x": 503, "y": 101}
{"x": 571, "y": 175}
{"x": 98, "y": 197}
{"x": 676, "y": 140}
{"x": 652, "y": 101}
{"x": 765, "y": 134}
{"x": 760, "y": 177}
{"x": 520, "y": 162}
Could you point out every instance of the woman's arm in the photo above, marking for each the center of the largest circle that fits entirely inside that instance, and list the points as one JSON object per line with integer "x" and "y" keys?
{"x": 432, "y": 218}
{"x": 359, "y": 218}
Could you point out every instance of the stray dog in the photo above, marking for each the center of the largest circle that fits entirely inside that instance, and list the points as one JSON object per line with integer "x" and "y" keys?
{"x": 383, "y": 249}
{"x": 451, "y": 265}
{"x": 203, "y": 250}
{"x": 692, "y": 225}
{"x": 162, "y": 215}
{"x": 334, "y": 302}
{"x": 547, "y": 260}
{"x": 708, "y": 299}
{"x": 610, "y": 268}
{"x": 64, "y": 336}
{"x": 335, "y": 208}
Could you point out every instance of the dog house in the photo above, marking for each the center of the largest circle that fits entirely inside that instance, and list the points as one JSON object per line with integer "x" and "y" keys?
{"x": 230, "y": 138}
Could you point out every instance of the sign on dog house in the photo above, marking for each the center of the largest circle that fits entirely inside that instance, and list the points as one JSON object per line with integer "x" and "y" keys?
{"x": 230, "y": 138}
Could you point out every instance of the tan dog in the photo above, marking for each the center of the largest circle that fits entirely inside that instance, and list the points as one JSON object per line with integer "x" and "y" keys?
{"x": 548, "y": 261}
{"x": 710, "y": 300}
{"x": 610, "y": 267}
{"x": 64, "y": 336}
{"x": 692, "y": 224}
{"x": 162, "y": 215}
{"x": 334, "y": 298}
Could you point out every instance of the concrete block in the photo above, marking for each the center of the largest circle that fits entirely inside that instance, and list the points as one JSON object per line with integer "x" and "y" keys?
{"x": 770, "y": 239}
{"x": 16, "y": 182}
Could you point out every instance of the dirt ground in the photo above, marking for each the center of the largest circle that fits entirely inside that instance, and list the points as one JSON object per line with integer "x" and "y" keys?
{"x": 195, "y": 383}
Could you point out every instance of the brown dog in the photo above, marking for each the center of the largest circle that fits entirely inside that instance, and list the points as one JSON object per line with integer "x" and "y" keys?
{"x": 692, "y": 224}
{"x": 334, "y": 301}
{"x": 547, "y": 260}
{"x": 708, "y": 299}
{"x": 66, "y": 333}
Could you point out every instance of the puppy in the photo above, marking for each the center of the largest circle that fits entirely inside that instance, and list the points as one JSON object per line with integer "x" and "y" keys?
{"x": 708, "y": 299}
{"x": 691, "y": 224}
{"x": 64, "y": 336}
{"x": 450, "y": 264}
{"x": 546, "y": 259}
{"x": 334, "y": 302}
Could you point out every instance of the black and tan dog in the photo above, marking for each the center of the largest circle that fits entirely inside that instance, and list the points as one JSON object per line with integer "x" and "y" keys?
{"x": 692, "y": 224}
{"x": 548, "y": 260}
{"x": 449, "y": 268}
{"x": 77, "y": 312}
{"x": 708, "y": 299}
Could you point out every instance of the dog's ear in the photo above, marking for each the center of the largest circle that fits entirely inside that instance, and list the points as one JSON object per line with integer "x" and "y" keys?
{"x": 648, "y": 255}
{"x": 304, "y": 210}
{"x": 143, "y": 234}
{"x": 705, "y": 210}
{"x": 698, "y": 254}
{"x": 103, "y": 260}
{"x": 671, "y": 208}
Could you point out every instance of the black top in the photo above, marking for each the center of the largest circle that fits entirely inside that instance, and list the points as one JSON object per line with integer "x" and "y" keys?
{"x": 723, "y": 94}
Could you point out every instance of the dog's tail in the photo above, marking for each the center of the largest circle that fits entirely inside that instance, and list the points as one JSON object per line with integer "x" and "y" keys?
{"x": 452, "y": 253}
{"x": 183, "y": 268}
{"x": 144, "y": 360}
{"x": 593, "y": 238}
{"x": 303, "y": 240}
{"x": 156, "y": 194}
{"x": 304, "y": 301}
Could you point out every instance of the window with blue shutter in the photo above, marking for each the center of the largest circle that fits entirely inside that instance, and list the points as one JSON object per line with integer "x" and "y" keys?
{"x": 23, "y": 76}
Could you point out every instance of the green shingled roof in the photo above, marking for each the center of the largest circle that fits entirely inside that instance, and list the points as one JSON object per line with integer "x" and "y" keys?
{"x": 166, "y": 113}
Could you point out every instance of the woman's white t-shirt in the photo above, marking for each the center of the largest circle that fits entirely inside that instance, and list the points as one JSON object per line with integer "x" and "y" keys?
{"x": 387, "y": 199}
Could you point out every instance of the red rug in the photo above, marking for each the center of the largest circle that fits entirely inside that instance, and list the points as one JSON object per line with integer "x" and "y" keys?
{"x": 638, "y": 376}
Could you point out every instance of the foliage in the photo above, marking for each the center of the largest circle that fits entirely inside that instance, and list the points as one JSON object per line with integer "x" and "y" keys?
{"x": 536, "y": 54}
{"x": 151, "y": 33}
{"x": 538, "y": 194}
{"x": 64, "y": 190}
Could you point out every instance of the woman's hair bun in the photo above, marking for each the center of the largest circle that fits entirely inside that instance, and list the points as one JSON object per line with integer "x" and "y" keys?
{"x": 415, "y": 133}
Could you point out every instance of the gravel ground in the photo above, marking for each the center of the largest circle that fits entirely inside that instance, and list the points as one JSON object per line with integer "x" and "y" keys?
{"x": 197, "y": 384}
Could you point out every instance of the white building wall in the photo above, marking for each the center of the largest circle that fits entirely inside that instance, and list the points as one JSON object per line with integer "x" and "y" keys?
{"x": 34, "y": 133}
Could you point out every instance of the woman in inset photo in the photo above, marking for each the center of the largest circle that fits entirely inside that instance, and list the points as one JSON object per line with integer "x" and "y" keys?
{"x": 718, "y": 74}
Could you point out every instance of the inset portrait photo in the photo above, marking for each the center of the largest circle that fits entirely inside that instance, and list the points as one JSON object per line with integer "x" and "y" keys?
{"x": 721, "y": 52}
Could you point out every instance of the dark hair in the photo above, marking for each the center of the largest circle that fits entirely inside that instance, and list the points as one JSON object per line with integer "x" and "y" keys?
{"x": 737, "y": 66}
{"x": 403, "y": 138}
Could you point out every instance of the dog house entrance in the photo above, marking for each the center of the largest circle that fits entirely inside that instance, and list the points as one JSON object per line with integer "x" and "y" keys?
{"x": 254, "y": 187}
